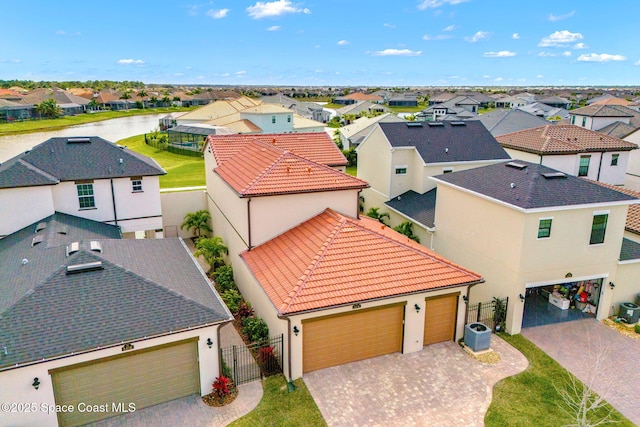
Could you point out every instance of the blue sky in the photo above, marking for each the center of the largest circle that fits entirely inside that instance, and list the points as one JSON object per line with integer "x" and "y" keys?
{"x": 324, "y": 42}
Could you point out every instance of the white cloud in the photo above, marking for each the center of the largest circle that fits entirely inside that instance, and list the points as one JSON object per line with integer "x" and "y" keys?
{"x": 225, "y": 75}
{"x": 540, "y": 76}
{"x": 178, "y": 74}
{"x": 343, "y": 43}
{"x": 500, "y": 54}
{"x": 397, "y": 52}
{"x": 12, "y": 61}
{"x": 515, "y": 36}
{"x": 637, "y": 63}
{"x": 240, "y": 73}
{"x": 486, "y": 76}
{"x": 554, "y": 18}
{"x": 438, "y": 37}
{"x": 449, "y": 28}
{"x": 131, "y": 61}
{"x": 601, "y": 57}
{"x": 432, "y": 4}
{"x": 549, "y": 54}
{"x": 318, "y": 71}
{"x": 274, "y": 8}
{"x": 217, "y": 14}
{"x": 480, "y": 35}
{"x": 273, "y": 28}
{"x": 498, "y": 79}
{"x": 566, "y": 53}
{"x": 560, "y": 39}
{"x": 388, "y": 25}
{"x": 580, "y": 46}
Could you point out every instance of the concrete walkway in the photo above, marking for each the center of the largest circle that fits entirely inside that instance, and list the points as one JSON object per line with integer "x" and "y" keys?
{"x": 441, "y": 385}
{"x": 598, "y": 355}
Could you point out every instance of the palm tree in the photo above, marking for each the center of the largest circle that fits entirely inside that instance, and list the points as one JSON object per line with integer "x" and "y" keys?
{"x": 166, "y": 100}
{"x": 48, "y": 108}
{"x": 197, "y": 221}
{"x": 141, "y": 94}
{"x": 406, "y": 228}
{"x": 153, "y": 101}
{"x": 212, "y": 249}
{"x": 374, "y": 214}
{"x": 126, "y": 95}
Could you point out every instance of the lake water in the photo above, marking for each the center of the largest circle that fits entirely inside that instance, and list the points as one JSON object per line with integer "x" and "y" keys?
{"x": 111, "y": 130}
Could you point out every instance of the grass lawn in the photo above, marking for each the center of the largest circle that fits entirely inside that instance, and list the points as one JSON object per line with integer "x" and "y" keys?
{"x": 531, "y": 398}
{"x": 182, "y": 171}
{"x": 352, "y": 170}
{"x": 66, "y": 121}
{"x": 279, "y": 408}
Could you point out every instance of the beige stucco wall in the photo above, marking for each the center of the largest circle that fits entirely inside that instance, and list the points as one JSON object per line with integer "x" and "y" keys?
{"x": 20, "y": 207}
{"x": 501, "y": 244}
{"x": 374, "y": 160}
{"x": 627, "y": 284}
{"x": 17, "y": 388}
{"x": 176, "y": 204}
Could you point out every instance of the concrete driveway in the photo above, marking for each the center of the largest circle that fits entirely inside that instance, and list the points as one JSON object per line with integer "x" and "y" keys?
{"x": 439, "y": 386}
{"x": 598, "y": 355}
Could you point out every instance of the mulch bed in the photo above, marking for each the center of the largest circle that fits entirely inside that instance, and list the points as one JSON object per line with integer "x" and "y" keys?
{"x": 213, "y": 400}
{"x": 624, "y": 329}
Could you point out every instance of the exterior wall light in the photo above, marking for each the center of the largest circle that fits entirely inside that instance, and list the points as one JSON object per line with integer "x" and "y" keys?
{"x": 36, "y": 383}
{"x": 209, "y": 342}
{"x": 296, "y": 331}
{"x": 521, "y": 297}
{"x": 612, "y": 285}
{"x": 465, "y": 299}
{"x": 417, "y": 307}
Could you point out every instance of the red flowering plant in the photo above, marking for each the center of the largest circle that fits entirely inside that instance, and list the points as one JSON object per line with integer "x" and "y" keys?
{"x": 221, "y": 386}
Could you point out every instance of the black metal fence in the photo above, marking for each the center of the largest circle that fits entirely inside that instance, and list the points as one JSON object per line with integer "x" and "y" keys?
{"x": 161, "y": 142}
{"x": 485, "y": 312}
{"x": 244, "y": 364}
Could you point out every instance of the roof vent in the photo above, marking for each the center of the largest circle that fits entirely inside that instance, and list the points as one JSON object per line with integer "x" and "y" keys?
{"x": 458, "y": 123}
{"x": 96, "y": 246}
{"x": 73, "y": 248}
{"x": 434, "y": 124}
{"x": 81, "y": 268}
{"x": 78, "y": 140}
{"x": 63, "y": 229}
{"x": 414, "y": 124}
{"x": 41, "y": 226}
{"x": 554, "y": 175}
{"x": 38, "y": 239}
{"x": 516, "y": 165}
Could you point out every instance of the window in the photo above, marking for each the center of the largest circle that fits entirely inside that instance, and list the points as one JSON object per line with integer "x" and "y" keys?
{"x": 614, "y": 159}
{"x": 598, "y": 228}
{"x": 273, "y": 119}
{"x": 85, "y": 196}
{"x": 401, "y": 170}
{"x": 573, "y": 120}
{"x": 584, "y": 122}
{"x": 584, "y": 165}
{"x": 544, "y": 228}
{"x": 288, "y": 119}
{"x": 136, "y": 185}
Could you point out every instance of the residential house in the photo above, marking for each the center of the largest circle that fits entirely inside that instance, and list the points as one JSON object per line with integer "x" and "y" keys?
{"x": 398, "y": 159}
{"x": 69, "y": 104}
{"x": 557, "y": 102}
{"x": 456, "y": 108}
{"x": 572, "y": 150}
{"x": 548, "y": 112}
{"x": 595, "y": 117}
{"x": 510, "y": 102}
{"x": 532, "y": 231}
{"x": 81, "y": 176}
{"x": 319, "y": 275}
{"x": 500, "y": 122}
{"x": 12, "y": 111}
{"x": 403, "y": 100}
{"x": 87, "y": 318}
{"x": 529, "y": 98}
{"x": 309, "y": 110}
{"x": 608, "y": 99}
{"x": 353, "y": 134}
{"x": 362, "y": 107}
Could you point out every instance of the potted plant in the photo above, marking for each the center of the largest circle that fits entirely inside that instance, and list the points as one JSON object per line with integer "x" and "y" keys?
{"x": 499, "y": 314}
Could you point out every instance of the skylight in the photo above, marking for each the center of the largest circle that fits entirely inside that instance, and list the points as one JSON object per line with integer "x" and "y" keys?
{"x": 554, "y": 175}
{"x": 81, "y": 268}
{"x": 516, "y": 165}
{"x": 78, "y": 140}
{"x": 433, "y": 124}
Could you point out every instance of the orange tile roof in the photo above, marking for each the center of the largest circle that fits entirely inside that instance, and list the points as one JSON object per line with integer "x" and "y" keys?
{"x": 316, "y": 146}
{"x": 261, "y": 169}
{"x": 332, "y": 260}
{"x": 612, "y": 101}
{"x": 633, "y": 214}
{"x": 562, "y": 139}
{"x": 359, "y": 96}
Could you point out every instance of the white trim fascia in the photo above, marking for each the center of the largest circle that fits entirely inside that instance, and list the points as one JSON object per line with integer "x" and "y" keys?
{"x": 629, "y": 261}
{"x": 565, "y": 280}
{"x": 429, "y": 229}
{"x": 384, "y": 196}
{"x": 537, "y": 210}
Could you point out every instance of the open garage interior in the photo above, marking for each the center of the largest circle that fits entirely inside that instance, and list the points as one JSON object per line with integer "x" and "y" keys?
{"x": 343, "y": 338}
{"x": 562, "y": 302}
{"x": 143, "y": 378}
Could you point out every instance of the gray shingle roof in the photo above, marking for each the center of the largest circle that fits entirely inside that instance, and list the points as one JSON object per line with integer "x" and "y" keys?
{"x": 446, "y": 142}
{"x": 629, "y": 250}
{"x": 67, "y": 161}
{"x": 145, "y": 288}
{"x": 420, "y": 207}
{"x": 527, "y": 188}
{"x": 598, "y": 110}
{"x": 500, "y": 122}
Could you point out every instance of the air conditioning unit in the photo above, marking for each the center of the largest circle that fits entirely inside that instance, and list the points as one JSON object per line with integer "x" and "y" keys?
{"x": 629, "y": 312}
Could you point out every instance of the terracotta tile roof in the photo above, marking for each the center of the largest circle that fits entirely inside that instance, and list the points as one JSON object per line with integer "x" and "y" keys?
{"x": 331, "y": 260}
{"x": 261, "y": 169}
{"x": 612, "y": 101}
{"x": 359, "y": 96}
{"x": 315, "y": 146}
{"x": 633, "y": 214}
{"x": 562, "y": 139}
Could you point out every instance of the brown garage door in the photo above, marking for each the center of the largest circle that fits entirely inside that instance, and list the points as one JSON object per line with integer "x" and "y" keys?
{"x": 440, "y": 318}
{"x": 334, "y": 340}
{"x": 145, "y": 378}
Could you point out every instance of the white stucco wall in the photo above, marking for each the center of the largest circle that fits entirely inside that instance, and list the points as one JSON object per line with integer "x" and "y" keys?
{"x": 176, "y": 204}
{"x": 632, "y": 179}
{"x": 374, "y": 160}
{"x": 264, "y": 121}
{"x": 16, "y": 383}
{"x": 20, "y": 207}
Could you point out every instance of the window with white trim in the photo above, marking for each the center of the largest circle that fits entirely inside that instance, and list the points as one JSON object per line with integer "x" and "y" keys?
{"x": 544, "y": 228}
{"x": 614, "y": 159}
{"x": 86, "y": 197}
{"x": 584, "y": 165}
{"x": 598, "y": 228}
{"x": 401, "y": 170}
{"x": 136, "y": 185}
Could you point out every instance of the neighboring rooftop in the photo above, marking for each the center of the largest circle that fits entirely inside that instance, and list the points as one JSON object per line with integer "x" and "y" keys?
{"x": 527, "y": 185}
{"x": 633, "y": 214}
{"x": 418, "y": 207}
{"x": 629, "y": 250}
{"x": 500, "y": 122}
{"x": 333, "y": 260}
{"x": 446, "y": 141}
{"x": 315, "y": 146}
{"x": 74, "y": 158}
{"x": 262, "y": 169}
{"x": 600, "y": 110}
{"x": 562, "y": 139}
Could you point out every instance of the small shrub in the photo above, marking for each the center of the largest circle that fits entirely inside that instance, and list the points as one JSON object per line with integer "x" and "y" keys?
{"x": 223, "y": 277}
{"x": 221, "y": 386}
{"x": 255, "y": 328}
{"x": 232, "y": 299}
{"x": 244, "y": 310}
{"x": 270, "y": 364}
{"x": 637, "y": 329}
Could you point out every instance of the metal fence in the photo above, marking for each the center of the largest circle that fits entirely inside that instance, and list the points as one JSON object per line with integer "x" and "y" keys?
{"x": 484, "y": 312}
{"x": 244, "y": 364}
{"x": 161, "y": 142}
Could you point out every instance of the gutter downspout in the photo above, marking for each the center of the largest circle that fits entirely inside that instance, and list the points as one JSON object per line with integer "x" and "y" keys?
{"x": 113, "y": 198}
{"x": 466, "y": 303}
{"x": 249, "y": 223}
{"x": 358, "y": 207}
{"x": 600, "y": 166}
{"x": 290, "y": 384}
